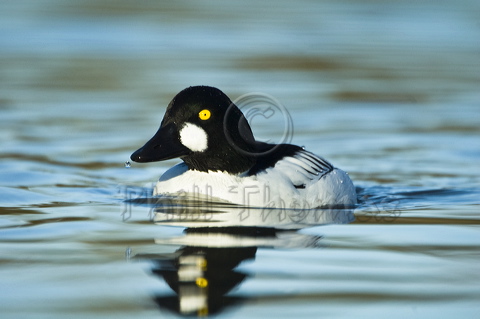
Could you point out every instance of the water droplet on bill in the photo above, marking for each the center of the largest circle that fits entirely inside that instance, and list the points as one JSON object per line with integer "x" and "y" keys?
{"x": 127, "y": 164}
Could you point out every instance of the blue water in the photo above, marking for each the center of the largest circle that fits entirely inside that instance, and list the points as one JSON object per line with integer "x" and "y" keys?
{"x": 386, "y": 91}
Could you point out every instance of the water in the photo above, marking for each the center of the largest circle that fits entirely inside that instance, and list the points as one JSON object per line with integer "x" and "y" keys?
{"x": 386, "y": 91}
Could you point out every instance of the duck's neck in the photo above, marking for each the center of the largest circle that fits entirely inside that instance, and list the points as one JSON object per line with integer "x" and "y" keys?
{"x": 229, "y": 161}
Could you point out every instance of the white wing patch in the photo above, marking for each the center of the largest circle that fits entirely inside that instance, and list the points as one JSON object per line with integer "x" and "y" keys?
{"x": 303, "y": 168}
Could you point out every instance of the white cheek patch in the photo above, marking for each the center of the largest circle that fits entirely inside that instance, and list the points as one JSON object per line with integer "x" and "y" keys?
{"x": 193, "y": 137}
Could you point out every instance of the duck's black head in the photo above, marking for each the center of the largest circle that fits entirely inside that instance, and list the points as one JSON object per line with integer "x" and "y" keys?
{"x": 204, "y": 128}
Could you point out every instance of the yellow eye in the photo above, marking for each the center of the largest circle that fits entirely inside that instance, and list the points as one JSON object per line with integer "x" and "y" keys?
{"x": 204, "y": 114}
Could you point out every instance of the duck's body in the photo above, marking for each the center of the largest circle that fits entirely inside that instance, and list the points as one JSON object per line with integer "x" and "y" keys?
{"x": 272, "y": 188}
{"x": 223, "y": 162}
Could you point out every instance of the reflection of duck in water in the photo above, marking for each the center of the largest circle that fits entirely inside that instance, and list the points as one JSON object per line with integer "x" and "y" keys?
{"x": 202, "y": 272}
{"x": 201, "y": 277}
{"x": 221, "y": 159}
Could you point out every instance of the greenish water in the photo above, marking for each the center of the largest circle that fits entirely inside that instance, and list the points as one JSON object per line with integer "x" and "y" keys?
{"x": 386, "y": 91}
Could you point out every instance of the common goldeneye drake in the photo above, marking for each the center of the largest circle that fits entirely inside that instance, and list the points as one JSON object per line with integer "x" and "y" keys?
{"x": 223, "y": 162}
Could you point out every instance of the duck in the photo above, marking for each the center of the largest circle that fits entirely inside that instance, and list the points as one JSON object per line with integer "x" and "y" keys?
{"x": 223, "y": 163}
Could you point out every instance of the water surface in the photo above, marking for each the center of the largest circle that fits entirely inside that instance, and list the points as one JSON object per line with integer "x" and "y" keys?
{"x": 386, "y": 91}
